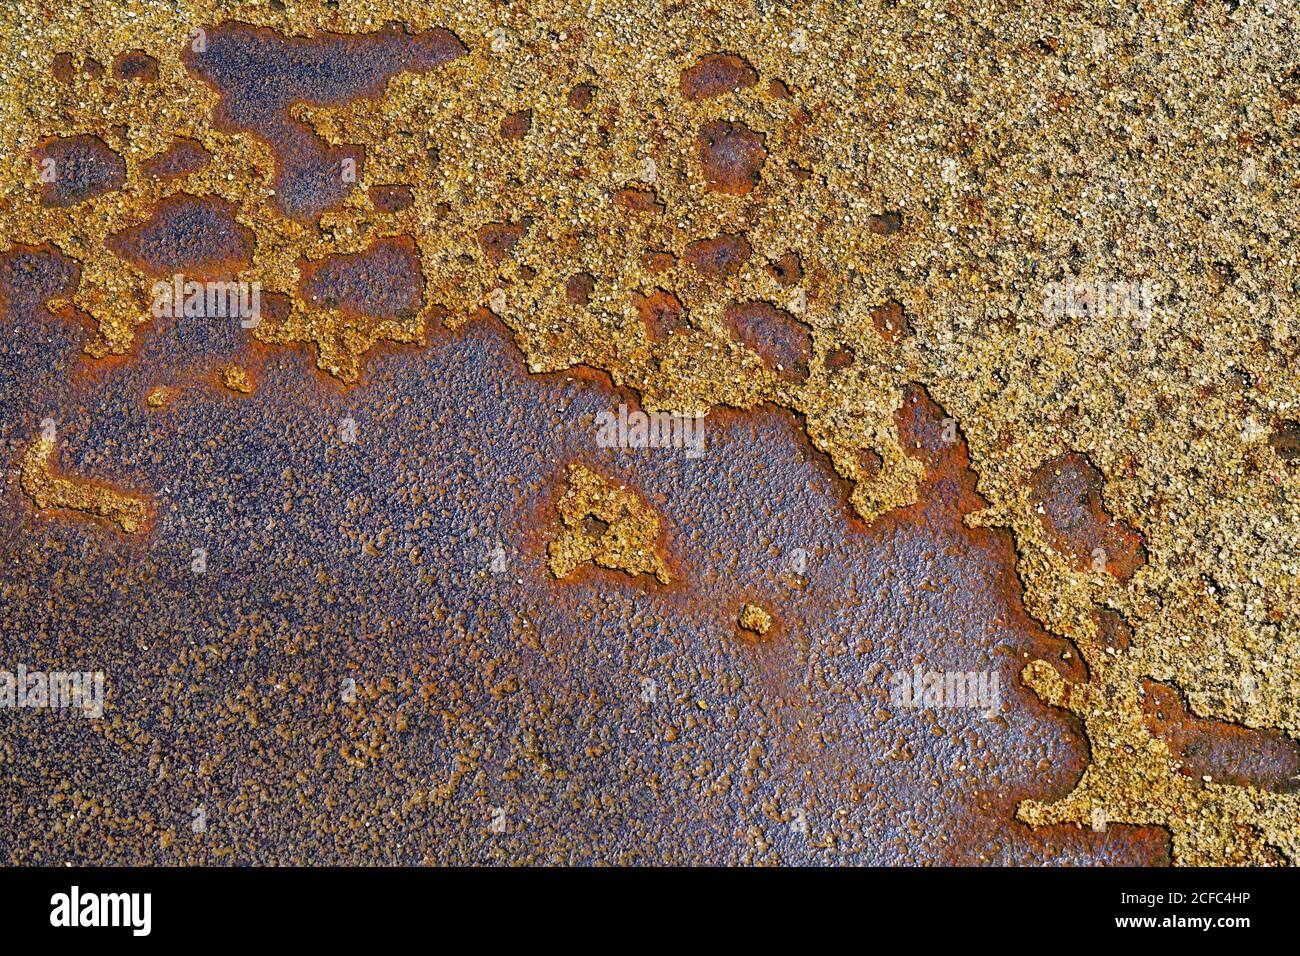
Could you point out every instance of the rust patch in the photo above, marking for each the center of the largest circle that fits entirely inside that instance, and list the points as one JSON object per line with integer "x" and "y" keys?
{"x": 885, "y": 223}
{"x": 1112, "y": 630}
{"x": 384, "y": 281}
{"x": 498, "y": 239}
{"x": 259, "y": 74}
{"x": 718, "y": 257}
{"x": 783, "y": 342}
{"x": 31, "y": 276}
{"x": 715, "y": 75}
{"x": 181, "y": 158}
{"x": 63, "y": 67}
{"x": 75, "y": 169}
{"x": 731, "y": 156}
{"x": 1067, "y": 496}
{"x": 391, "y": 199}
{"x": 788, "y": 270}
{"x": 1227, "y": 753}
{"x": 656, "y": 261}
{"x": 516, "y": 125}
{"x": 580, "y": 96}
{"x": 577, "y": 291}
{"x": 661, "y": 311}
{"x": 136, "y": 65}
{"x": 891, "y": 321}
{"x": 1285, "y": 440}
{"x": 637, "y": 199}
{"x": 194, "y": 235}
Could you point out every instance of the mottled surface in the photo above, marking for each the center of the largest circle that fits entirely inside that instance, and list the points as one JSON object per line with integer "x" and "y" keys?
{"x": 312, "y": 642}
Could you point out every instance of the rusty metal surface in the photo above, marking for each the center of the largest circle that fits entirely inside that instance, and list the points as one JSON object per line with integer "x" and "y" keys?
{"x": 334, "y": 627}
{"x": 611, "y": 718}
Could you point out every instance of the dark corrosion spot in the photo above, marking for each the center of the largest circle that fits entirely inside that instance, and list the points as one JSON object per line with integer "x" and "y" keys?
{"x": 580, "y": 96}
{"x": 391, "y": 199}
{"x": 1285, "y": 440}
{"x": 778, "y": 90}
{"x": 783, "y": 342}
{"x": 30, "y": 276}
{"x": 579, "y": 288}
{"x": 136, "y": 65}
{"x": 1112, "y": 630}
{"x": 498, "y": 239}
{"x": 891, "y": 321}
{"x": 661, "y": 311}
{"x": 181, "y": 158}
{"x": 870, "y": 462}
{"x": 92, "y": 68}
{"x": 516, "y": 125}
{"x": 192, "y": 235}
{"x": 839, "y": 358}
{"x": 886, "y": 223}
{"x": 63, "y": 67}
{"x": 716, "y": 74}
{"x": 636, "y": 199}
{"x": 385, "y": 281}
{"x": 787, "y": 270}
{"x": 259, "y": 74}
{"x": 731, "y": 155}
{"x": 721, "y": 256}
{"x": 1067, "y": 492}
{"x": 593, "y": 527}
{"x": 656, "y": 261}
{"x": 77, "y": 168}
{"x": 1223, "y": 751}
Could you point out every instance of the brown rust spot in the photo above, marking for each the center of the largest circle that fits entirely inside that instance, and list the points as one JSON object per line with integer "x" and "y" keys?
{"x": 718, "y": 257}
{"x": 1067, "y": 496}
{"x": 577, "y": 291}
{"x": 638, "y": 199}
{"x": 194, "y": 235}
{"x": 580, "y": 96}
{"x": 182, "y": 157}
{"x": 661, "y": 311}
{"x": 1285, "y": 440}
{"x": 656, "y": 261}
{"x": 1112, "y": 630}
{"x": 516, "y": 125}
{"x": 384, "y": 281}
{"x": 1225, "y": 752}
{"x": 885, "y": 223}
{"x": 716, "y": 74}
{"x": 731, "y": 156}
{"x": 840, "y": 358}
{"x": 74, "y": 169}
{"x": 136, "y": 65}
{"x": 788, "y": 270}
{"x": 391, "y": 199}
{"x": 498, "y": 239}
{"x": 783, "y": 342}
{"x": 63, "y": 67}
{"x": 891, "y": 321}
